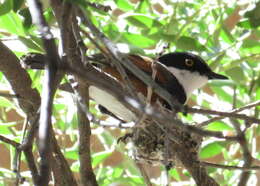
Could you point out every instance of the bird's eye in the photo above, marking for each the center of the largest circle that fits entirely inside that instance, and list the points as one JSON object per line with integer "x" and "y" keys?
{"x": 189, "y": 62}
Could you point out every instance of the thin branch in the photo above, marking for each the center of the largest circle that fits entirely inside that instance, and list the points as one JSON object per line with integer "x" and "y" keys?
{"x": 9, "y": 95}
{"x": 72, "y": 47}
{"x": 224, "y": 114}
{"x": 86, "y": 171}
{"x": 254, "y": 104}
{"x": 22, "y": 84}
{"x": 230, "y": 167}
{"x": 61, "y": 171}
{"x": 32, "y": 165}
{"x": 248, "y": 159}
{"x": 10, "y": 142}
{"x": 52, "y": 60}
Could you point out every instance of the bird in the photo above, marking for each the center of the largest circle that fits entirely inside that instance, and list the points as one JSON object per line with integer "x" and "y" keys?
{"x": 185, "y": 73}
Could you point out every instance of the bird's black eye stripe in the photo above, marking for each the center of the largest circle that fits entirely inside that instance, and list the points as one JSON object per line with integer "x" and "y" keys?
{"x": 189, "y": 62}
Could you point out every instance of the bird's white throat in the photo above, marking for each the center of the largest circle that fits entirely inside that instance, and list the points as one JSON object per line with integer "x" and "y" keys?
{"x": 189, "y": 80}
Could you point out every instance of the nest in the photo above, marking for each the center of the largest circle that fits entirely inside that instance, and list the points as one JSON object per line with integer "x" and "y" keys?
{"x": 152, "y": 143}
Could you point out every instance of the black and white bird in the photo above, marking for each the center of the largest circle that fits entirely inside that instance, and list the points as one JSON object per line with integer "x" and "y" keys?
{"x": 187, "y": 73}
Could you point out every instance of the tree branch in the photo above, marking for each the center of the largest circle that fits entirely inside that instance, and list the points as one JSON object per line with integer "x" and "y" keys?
{"x": 52, "y": 61}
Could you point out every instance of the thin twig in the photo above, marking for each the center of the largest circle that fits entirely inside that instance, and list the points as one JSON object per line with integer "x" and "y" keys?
{"x": 254, "y": 104}
{"x": 10, "y": 142}
{"x": 230, "y": 167}
{"x": 223, "y": 114}
{"x": 9, "y": 95}
{"x": 52, "y": 62}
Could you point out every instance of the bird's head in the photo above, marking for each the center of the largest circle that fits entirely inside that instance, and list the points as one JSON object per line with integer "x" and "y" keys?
{"x": 190, "y": 70}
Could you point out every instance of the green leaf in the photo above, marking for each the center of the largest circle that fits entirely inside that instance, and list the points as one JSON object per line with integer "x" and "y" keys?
{"x": 174, "y": 173}
{"x": 138, "y": 40}
{"x": 6, "y": 103}
{"x": 188, "y": 43}
{"x": 226, "y": 36}
{"x": 219, "y": 126}
{"x": 143, "y": 7}
{"x": 124, "y": 5}
{"x": 5, "y": 7}
{"x": 30, "y": 44}
{"x": 112, "y": 31}
{"x": 258, "y": 94}
{"x": 117, "y": 172}
{"x": 72, "y": 154}
{"x": 251, "y": 46}
{"x": 143, "y": 21}
{"x": 245, "y": 24}
{"x": 210, "y": 150}
{"x": 75, "y": 166}
{"x": 236, "y": 74}
{"x": 216, "y": 63}
{"x": 222, "y": 94}
{"x": 5, "y": 130}
{"x": 99, "y": 157}
{"x": 12, "y": 23}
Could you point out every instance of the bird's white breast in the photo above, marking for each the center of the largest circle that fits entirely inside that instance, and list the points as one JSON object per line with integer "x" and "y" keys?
{"x": 189, "y": 80}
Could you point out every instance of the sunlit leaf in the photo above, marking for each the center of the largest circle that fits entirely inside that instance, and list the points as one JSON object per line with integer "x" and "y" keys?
{"x": 30, "y": 44}
{"x": 98, "y": 158}
{"x": 143, "y": 21}
{"x": 5, "y": 102}
{"x": 124, "y": 5}
{"x": 226, "y": 36}
{"x": 251, "y": 46}
{"x": 245, "y": 24}
{"x": 12, "y": 23}
{"x": 5, "y": 130}
{"x": 117, "y": 172}
{"x": 138, "y": 40}
{"x": 75, "y": 166}
{"x": 188, "y": 43}
{"x": 222, "y": 94}
{"x": 210, "y": 150}
{"x": 143, "y": 6}
{"x": 174, "y": 173}
{"x": 236, "y": 74}
{"x": 219, "y": 126}
{"x": 72, "y": 154}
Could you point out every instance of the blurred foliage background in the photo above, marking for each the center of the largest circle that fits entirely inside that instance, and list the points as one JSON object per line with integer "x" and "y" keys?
{"x": 225, "y": 33}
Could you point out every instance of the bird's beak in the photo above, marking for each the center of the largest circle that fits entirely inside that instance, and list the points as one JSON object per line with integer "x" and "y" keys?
{"x": 213, "y": 75}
